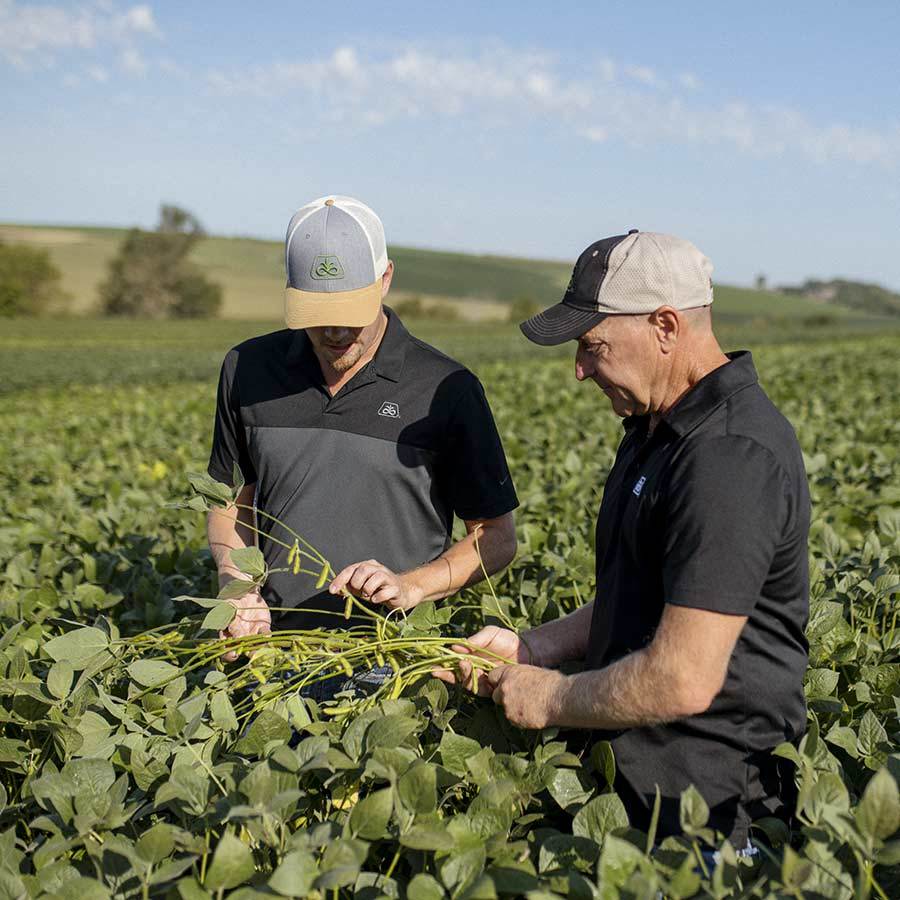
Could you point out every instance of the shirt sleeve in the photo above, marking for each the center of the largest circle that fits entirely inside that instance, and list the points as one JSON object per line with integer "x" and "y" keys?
{"x": 229, "y": 444}
{"x": 724, "y": 521}
{"x": 474, "y": 471}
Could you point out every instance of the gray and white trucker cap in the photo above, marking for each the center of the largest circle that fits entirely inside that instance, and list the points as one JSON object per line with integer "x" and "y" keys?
{"x": 629, "y": 274}
{"x": 334, "y": 255}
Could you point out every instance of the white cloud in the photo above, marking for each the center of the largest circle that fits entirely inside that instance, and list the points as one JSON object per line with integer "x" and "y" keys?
{"x": 132, "y": 62}
{"x": 625, "y": 102}
{"x": 595, "y": 134}
{"x": 32, "y": 34}
{"x": 642, "y": 74}
{"x": 98, "y": 74}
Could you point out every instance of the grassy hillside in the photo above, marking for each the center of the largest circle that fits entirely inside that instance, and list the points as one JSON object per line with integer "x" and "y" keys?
{"x": 252, "y": 275}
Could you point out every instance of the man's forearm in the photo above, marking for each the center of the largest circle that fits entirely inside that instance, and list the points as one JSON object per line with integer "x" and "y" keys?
{"x": 493, "y": 543}
{"x": 230, "y": 528}
{"x": 562, "y": 640}
{"x": 629, "y": 693}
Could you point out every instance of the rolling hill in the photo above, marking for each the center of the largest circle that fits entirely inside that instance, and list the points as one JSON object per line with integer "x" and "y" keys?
{"x": 480, "y": 287}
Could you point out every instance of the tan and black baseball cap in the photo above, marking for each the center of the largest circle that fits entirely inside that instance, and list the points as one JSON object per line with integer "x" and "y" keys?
{"x": 334, "y": 255}
{"x": 629, "y": 274}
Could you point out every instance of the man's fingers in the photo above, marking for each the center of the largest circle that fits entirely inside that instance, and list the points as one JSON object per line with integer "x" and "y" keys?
{"x": 386, "y": 594}
{"x": 447, "y": 675}
{"x": 362, "y": 574}
{"x": 376, "y": 580}
{"x": 341, "y": 579}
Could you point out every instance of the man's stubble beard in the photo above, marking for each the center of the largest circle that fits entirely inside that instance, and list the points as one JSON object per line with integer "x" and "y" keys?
{"x": 347, "y": 360}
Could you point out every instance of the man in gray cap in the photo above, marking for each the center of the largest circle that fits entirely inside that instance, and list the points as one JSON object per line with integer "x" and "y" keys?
{"x": 363, "y": 439}
{"x": 693, "y": 649}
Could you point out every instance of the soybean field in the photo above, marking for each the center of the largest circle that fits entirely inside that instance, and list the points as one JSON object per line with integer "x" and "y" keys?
{"x": 135, "y": 763}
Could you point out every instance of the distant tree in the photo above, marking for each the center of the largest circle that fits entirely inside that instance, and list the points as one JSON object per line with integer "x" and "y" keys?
{"x": 415, "y": 308}
{"x": 409, "y": 307}
{"x": 761, "y": 282}
{"x": 872, "y": 298}
{"x": 151, "y": 277}
{"x": 523, "y": 308}
{"x": 29, "y": 281}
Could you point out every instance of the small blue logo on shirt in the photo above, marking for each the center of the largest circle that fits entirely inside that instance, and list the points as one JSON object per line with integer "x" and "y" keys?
{"x": 391, "y": 410}
{"x": 639, "y": 486}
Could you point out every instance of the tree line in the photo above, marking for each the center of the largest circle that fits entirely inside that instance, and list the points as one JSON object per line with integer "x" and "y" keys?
{"x": 151, "y": 275}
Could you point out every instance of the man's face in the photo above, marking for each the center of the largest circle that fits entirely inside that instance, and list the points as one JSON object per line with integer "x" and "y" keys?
{"x": 342, "y": 347}
{"x": 620, "y": 355}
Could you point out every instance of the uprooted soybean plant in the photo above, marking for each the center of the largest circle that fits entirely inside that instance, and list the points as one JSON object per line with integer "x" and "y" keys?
{"x": 134, "y": 762}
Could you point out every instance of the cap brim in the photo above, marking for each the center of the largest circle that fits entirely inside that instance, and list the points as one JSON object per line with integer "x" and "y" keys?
{"x": 314, "y": 309}
{"x": 559, "y": 324}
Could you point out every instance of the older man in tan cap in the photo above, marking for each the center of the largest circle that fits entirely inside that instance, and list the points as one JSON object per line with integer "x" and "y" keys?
{"x": 693, "y": 649}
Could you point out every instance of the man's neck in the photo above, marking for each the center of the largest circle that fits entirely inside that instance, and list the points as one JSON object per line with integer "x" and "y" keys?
{"x": 685, "y": 376}
{"x": 335, "y": 380}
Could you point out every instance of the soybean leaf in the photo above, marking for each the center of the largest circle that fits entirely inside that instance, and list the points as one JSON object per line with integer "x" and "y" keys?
{"x": 232, "y": 864}
{"x": 693, "y": 811}
{"x": 569, "y": 789}
{"x": 77, "y": 647}
{"x": 599, "y": 816}
{"x": 220, "y": 616}
{"x": 417, "y": 788}
{"x": 155, "y": 845}
{"x": 235, "y": 589}
{"x": 152, "y": 672}
{"x": 424, "y": 887}
{"x": 59, "y": 678}
{"x": 455, "y": 749}
{"x": 250, "y": 561}
{"x": 296, "y": 874}
{"x": 370, "y": 816}
{"x": 267, "y": 726}
{"x": 206, "y": 486}
{"x": 223, "y": 712}
{"x": 878, "y": 813}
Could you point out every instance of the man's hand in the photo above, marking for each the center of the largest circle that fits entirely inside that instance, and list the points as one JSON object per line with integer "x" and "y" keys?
{"x": 489, "y": 643}
{"x": 252, "y": 617}
{"x": 372, "y": 581}
{"x": 530, "y": 696}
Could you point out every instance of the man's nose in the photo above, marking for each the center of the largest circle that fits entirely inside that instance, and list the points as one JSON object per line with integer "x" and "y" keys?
{"x": 582, "y": 369}
{"x": 335, "y": 335}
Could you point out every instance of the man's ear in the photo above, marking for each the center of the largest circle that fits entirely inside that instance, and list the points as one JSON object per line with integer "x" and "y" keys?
{"x": 386, "y": 279}
{"x": 666, "y": 323}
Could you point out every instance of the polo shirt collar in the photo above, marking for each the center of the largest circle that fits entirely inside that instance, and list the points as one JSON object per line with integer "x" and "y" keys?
{"x": 711, "y": 391}
{"x": 387, "y": 362}
{"x": 706, "y": 396}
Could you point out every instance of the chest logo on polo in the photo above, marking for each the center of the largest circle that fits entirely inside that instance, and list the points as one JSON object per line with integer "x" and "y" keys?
{"x": 639, "y": 486}
{"x": 326, "y": 267}
{"x": 390, "y": 410}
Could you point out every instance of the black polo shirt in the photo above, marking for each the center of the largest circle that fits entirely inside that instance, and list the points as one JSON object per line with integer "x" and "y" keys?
{"x": 377, "y": 471}
{"x": 711, "y": 511}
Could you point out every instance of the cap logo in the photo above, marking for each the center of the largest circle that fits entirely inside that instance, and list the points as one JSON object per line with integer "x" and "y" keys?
{"x": 326, "y": 267}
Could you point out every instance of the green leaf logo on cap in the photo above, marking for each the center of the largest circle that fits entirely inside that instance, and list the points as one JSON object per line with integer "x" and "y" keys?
{"x": 326, "y": 267}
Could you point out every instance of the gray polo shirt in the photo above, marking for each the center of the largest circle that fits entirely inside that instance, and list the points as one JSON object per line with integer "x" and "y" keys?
{"x": 377, "y": 471}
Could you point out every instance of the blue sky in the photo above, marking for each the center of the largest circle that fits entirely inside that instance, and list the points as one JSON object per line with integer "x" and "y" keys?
{"x": 767, "y": 133}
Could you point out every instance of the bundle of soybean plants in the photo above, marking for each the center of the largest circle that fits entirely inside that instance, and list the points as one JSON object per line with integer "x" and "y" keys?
{"x": 280, "y": 665}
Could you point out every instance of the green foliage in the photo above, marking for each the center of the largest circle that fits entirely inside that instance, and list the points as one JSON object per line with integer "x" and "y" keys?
{"x": 125, "y": 771}
{"x": 150, "y": 277}
{"x": 872, "y": 298}
{"x": 29, "y": 281}
{"x": 415, "y": 308}
{"x": 523, "y": 308}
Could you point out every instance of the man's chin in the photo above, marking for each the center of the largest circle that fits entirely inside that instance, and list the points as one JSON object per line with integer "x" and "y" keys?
{"x": 345, "y": 361}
